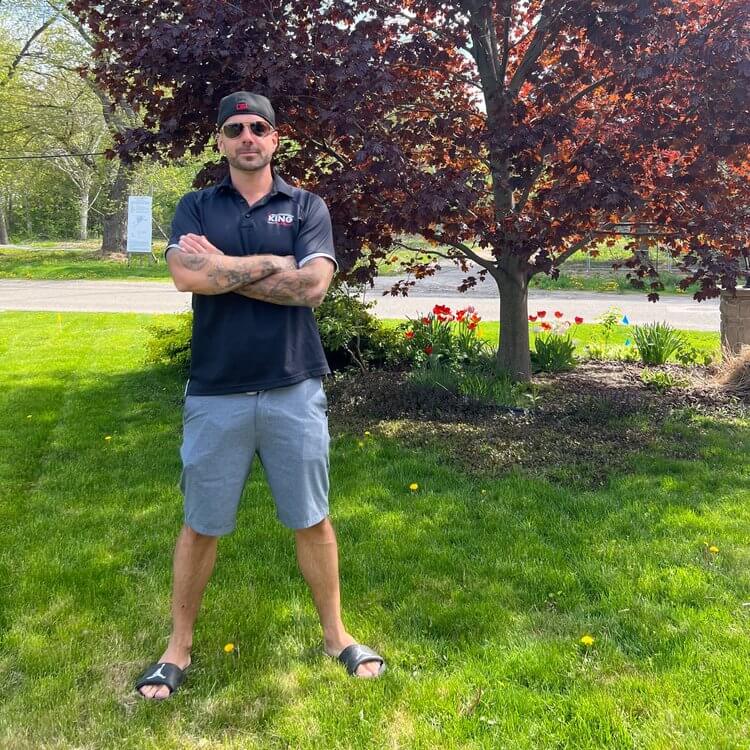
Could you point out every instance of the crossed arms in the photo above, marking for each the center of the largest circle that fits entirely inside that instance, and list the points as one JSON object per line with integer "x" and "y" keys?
{"x": 200, "y": 267}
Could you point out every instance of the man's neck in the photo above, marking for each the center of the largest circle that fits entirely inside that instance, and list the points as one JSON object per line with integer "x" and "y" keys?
{"x": 252, "y": 186}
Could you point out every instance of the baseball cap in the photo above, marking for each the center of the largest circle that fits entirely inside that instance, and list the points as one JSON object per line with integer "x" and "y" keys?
{"x": 245, "y": 103}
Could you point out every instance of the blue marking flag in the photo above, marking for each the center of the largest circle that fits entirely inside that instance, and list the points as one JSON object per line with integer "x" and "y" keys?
{"x": 625, "y": 320}
{"x": 627, "y": 342}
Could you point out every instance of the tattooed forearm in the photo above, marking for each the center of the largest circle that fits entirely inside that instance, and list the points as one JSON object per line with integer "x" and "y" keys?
{"x": 294, "y": 288}
{"x": 218, "y": 274}
{"x": 304, "y": 287}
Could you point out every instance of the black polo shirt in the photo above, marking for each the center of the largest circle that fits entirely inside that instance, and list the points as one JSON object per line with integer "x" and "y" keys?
{"x": 241, "y": 344}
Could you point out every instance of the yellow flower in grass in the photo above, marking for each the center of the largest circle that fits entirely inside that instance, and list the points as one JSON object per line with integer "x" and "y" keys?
{"x": 413, "y": 486}
{"x": 587, "y": 640}
{"x": 360, "y": 444}
{"x": 713, "y": 549}
{"x": 229, "y": 648}
{"x": 108, "y": 437}
{"x": 367, "y": 433}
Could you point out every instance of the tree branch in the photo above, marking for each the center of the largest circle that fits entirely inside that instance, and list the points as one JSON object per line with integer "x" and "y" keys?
{"x": 17, "y": 60}
{"x": 534, "y": 52}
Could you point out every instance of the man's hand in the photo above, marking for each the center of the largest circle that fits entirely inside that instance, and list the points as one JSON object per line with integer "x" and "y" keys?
{"x": 197, "y": 244}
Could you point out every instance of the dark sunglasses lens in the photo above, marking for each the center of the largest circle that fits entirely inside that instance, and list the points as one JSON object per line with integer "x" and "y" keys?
{"x": 232, "y": 130}
{"x": 261, "y": 129}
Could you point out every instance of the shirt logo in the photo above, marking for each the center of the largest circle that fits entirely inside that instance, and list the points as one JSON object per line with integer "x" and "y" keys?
{"x": 285, "y": 220}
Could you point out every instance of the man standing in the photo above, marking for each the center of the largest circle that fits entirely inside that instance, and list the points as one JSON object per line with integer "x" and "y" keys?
{"x": 258, "y": 255}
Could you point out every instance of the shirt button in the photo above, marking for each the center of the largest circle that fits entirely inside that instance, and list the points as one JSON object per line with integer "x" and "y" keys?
{"x": 248, "y": 215}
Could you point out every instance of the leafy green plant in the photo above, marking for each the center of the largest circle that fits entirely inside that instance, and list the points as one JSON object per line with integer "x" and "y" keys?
{"x": 169, "y": 344}
{"x": 553, "y": 352}
{"x": 657, "y": 342}
{"x": 609, "y": 321}
{"x": 660, "y": 380}
{"x": 688, "y": 355}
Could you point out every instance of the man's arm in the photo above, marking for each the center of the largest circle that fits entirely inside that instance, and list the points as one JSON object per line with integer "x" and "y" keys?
{"x": 199, "y": 267}
{"x": 303, "y": 287}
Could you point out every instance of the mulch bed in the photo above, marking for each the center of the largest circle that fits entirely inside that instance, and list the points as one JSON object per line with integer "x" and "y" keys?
{"x": 586, "y": 424}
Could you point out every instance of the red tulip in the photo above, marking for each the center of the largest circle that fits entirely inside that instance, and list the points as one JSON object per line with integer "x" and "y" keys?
{"x": 558, "y": 314}
{"x": 472, "y": 326}
{"x": 532, "y": 318}
{"x": 426, "y": 321}
{"x": 547, "y": 326}
{"x": 541, "y": 313}
{"x": 428, "y": 350}
{"x": 409, "y": 334}
{"x": 578, "y": 319}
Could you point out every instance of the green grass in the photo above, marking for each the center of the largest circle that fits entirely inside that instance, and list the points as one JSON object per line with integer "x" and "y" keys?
{"x": 477, "y": 600}
{"x": 49, "y": 261}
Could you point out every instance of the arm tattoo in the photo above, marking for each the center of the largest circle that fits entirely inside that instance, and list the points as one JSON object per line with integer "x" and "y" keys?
{"x": 294, "y": 288}
{"x": 221, "y": 273}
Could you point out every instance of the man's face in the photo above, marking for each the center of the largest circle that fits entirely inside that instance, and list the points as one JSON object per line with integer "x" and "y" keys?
{"x": 248, "y": 152}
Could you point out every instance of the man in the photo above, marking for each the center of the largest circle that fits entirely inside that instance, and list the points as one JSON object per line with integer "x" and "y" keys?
{"x": 257, "y": 255}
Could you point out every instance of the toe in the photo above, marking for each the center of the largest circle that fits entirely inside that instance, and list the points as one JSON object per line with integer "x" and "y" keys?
{"x": 368, "y": 669}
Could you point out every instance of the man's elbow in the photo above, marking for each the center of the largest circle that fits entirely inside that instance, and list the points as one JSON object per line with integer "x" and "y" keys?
{"x": 181, "y": 283}
{"x": 317, "y": 295}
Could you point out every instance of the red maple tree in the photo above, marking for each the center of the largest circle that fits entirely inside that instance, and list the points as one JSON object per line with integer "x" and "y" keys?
{"x": 511, "y": 133}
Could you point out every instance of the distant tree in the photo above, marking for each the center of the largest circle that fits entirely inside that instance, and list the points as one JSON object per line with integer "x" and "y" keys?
{"x": 513, "y": 133}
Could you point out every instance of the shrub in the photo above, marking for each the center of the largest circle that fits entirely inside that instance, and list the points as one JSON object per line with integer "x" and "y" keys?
{"x": 657, "y": 342}
{"x": 170, "y": 344}
{"x": 553, "y": 352}
{"x": 734, "y": 374}
{"x": 689, "y": 355}
{"x": 352, "y": 335}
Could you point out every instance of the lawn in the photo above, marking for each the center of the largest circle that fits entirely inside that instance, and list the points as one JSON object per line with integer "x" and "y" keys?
{"x": 477, "y": 588}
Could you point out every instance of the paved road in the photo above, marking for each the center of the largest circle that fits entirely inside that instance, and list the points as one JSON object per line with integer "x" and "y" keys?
{"x": 159, "y": 297}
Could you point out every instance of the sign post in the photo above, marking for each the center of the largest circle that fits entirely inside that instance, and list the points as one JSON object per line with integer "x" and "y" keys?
{"x": 140, "y": 226}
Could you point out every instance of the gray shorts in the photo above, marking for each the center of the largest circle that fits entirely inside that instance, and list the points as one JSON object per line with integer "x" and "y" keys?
{"x": 288, "y": 429}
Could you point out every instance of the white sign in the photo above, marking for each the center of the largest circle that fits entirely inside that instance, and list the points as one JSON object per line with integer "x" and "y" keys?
{"x": 139, "y": 224}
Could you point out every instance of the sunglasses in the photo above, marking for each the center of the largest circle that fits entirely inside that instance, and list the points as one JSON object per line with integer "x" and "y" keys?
{"x": 258, "y": 128}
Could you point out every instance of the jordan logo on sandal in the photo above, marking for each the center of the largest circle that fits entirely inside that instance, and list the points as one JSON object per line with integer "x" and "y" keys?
{"x": 158, "y": 674}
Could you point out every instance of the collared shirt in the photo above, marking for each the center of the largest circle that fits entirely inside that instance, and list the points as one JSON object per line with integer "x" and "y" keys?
{"x": 241, "y": 344}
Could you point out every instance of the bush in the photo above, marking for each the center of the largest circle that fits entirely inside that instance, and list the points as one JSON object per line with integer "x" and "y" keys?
{"x": 553, "y": 352}
{"x": 353, "y": 336}
{"x": 170, "y": 344}
{"x": 657, "y": 342}
{"x": 660, "y": 381}
{"x": 350, "y": 334}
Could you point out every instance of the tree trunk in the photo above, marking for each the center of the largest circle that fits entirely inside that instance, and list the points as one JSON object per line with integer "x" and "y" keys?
{"x": 114, "y": 229}
{"x": 83, "y": 214}
{"x": 3, "y": 223}
{"x": 513, "y": 352}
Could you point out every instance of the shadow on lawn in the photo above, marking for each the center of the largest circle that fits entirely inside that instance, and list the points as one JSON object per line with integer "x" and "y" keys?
{"x": 433, "y": 577}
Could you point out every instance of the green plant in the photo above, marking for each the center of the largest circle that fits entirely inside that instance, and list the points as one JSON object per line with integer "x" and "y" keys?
{"x": 352, "y": 335}
{"x": 688, "y": 355}
{"x": 595, "y": 351}
{"x": 553, "y": 352}
{"x": 657, "y": 342}
{"x": 169, "y": 344}
{"x": 608, "y": 323}
{"x": 660, "y": 380}
{"x": 489, "y": 388}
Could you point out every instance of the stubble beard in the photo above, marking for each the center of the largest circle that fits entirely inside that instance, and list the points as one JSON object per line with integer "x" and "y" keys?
{"x": 242, "y": 163}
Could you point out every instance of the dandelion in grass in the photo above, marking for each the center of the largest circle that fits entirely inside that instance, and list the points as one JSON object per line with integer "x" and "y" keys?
{"x": 229, "y": 648}
{"x": 360, "y": 444}
{"x": 484, "y": 492}
{"x": 108, "y": 437}
{"x": 413, "y": 486}
{"x": 713, "y": 549}
{"x": 28, "y": 416}
{"x": 367, "y": 433}
{"x": 587, "y": 641}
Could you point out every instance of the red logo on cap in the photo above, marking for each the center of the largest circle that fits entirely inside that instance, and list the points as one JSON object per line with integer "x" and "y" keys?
{"x": 241, "y": 105}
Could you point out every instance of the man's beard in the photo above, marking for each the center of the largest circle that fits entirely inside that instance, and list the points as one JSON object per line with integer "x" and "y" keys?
{"x": 260, "y": 162}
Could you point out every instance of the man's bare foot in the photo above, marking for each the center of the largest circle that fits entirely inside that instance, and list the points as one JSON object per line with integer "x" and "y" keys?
{"x": 333, "y": 647}
{"x": 180, "y": 656}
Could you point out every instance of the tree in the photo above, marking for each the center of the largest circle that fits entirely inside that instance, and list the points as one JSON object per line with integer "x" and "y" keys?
{"x": 512, "y": 133}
